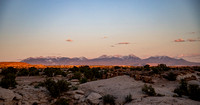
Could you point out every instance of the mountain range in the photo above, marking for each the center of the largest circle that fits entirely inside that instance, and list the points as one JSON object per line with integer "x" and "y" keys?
{"x": 130, "y": 60}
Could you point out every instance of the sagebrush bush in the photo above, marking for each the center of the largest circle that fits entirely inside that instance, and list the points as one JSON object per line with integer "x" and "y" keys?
{"x": 23, "y": 72}
{"x": 74, "y": 88}
{"x": 128, "y": 98}
{"x": 171, "y": 76}
{"x": 61, "y": 101}
{"x": 49, "y": 72}
{"x": 109, "y": 99}
{"x": 35, "y": 103}
{"x": 9, "y": 70}
{"x": 194, "y": 92}
{"x": 182, "y": 89}
{"x": 149, "y": 90}
{"x": 56, "y": 88}
{"x": 33, "y": 71}
{"x": 8, "y": 81}
{"x": 83, "y": 80}
{"x": 77, "y": 75}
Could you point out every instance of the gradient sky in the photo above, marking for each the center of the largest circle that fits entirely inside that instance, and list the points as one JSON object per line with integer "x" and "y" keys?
{"x": 91, "y": 28}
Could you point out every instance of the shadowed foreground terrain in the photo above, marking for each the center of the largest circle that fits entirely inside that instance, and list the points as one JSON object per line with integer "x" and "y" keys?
{"x": 114, "y": 85}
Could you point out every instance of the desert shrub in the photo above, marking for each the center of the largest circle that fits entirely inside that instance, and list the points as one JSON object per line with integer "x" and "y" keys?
{"x": 33, "y": 71}
{"x": 155, "y": 70}
{"x": 64, "y": 74}
{"x": 51, "y": 86}
{"x": 171, "y": 76}
{"x": 83, "y": 80}
{"x": 35, "y": 103}
{"x": 56, "y": 88}
{"x": 89, "y": 74}
{"x": 149, "y": 90}
{"x": 117, "y": 67}
{"x": 82, "y": 69}
{"x": 163, "y": 67}
{"x": 74, "y": 69}
{"x": 128, "y": 98}
{"x": 77, "y": 75}
{"x": 8, "y": 81}
{"x": 97, "y": 73}
{"x": 147, "y": 67}
{"x": 39, "y": 84}
{"x": 61, "y": 101}
{"x": 109, "y": 99}
{"x": 74, "y": 88}
{"x": 62, "y": 85}
{"x": 23, "y": 72}
{"x": 9, "y": 70}
{"x": 194, "y": 92}
{"x": 182, "y": 89}
{"x": 58, "y": 71}
{"x": 49, "y": 72}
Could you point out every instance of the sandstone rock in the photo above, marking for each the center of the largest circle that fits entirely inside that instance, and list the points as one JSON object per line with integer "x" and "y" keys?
{"x": 147, "y": 79}
{"x": 191, "y": 78}
{"x": 78, "y": 96}
{"x": 194, "y": 82}
{"x": 74, "y": 80}
{"x": 6, "y": 94}
{"x": 93, "y": 98}
{"x": 17, "y": 96}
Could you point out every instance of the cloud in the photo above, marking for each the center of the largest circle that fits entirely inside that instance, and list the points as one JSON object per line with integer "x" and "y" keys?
{"x": 69, "y": 40}
{"x": 193, "y": 40}
{"x": 189, "y": 55}
{"x": 123, "y": 43}
{"x": 105, "y": 37}
{"x": 112, "y": 46}
{"x": 191, "y": 33}
{"x": 179, "y": 40}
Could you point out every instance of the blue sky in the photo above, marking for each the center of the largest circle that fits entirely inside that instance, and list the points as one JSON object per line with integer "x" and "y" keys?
{"x": 90, "y": 28}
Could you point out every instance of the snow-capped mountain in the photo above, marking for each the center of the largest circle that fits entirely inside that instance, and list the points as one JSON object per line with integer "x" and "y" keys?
{"x": 131, "y": 60}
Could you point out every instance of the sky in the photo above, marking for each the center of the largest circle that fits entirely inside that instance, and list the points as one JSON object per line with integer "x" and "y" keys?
{"x": 91, "y": 28}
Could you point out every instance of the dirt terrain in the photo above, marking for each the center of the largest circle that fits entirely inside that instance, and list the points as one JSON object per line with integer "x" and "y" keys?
{"x": 119, "y": 85}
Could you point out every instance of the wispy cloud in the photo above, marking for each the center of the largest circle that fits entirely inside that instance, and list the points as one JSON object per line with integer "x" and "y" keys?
{"x": 179, "y": 40}
{"x": 105, "y": 37}
{"x": 123, "y": 43}
{"x": 69, "y": 40}
{"x": 193, "y": 40}
{"x": 189, "y": 55}
{"x": 112, "y": 46}
{"x": 188, "y": 40}
{"x": 191, "y": 33}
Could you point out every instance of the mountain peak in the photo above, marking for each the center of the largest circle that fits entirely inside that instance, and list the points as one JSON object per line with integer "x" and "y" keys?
{"x": 131, "y": 60}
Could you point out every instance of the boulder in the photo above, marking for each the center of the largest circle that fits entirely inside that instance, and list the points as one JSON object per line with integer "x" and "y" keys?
{"x": 6, "y": 94}
{"x": 78, "y": 96}
{"x": 74, "y": 80}
{"x": 17, "y": 96}
{"x": 190, "y": 78}
{"x": 147, "y": 79}
{"x": 93, "y": 98}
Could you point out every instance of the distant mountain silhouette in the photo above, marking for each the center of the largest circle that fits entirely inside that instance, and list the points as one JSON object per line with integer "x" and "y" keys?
{"x": 131, "y": 60}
